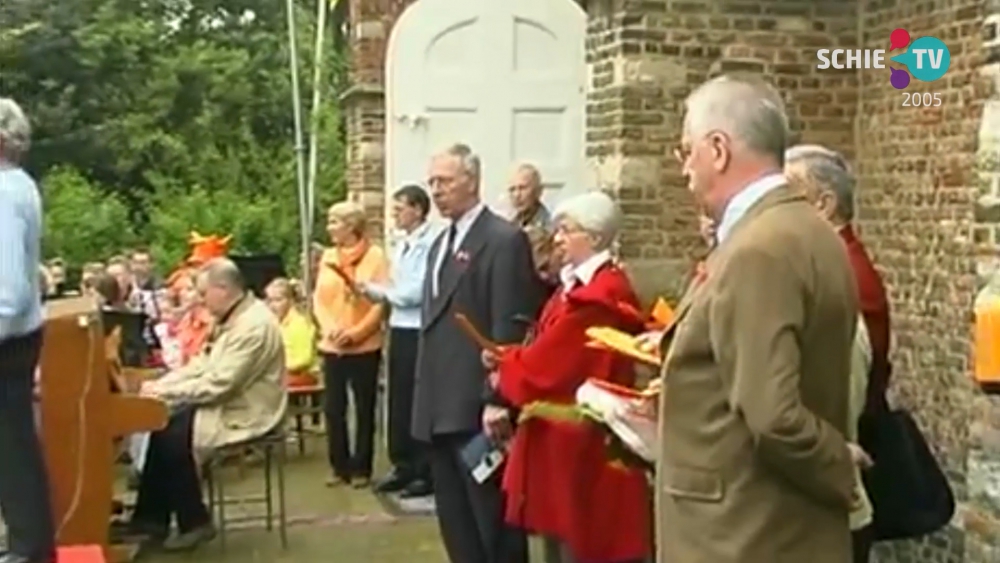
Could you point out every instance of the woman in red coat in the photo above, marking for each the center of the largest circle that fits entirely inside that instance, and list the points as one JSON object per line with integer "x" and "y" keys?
{"x": 559, "y": 481}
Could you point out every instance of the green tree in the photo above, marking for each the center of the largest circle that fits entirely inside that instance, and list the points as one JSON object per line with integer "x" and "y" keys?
{"x": 169, "y": 105}
{"x": 76, "y": 236}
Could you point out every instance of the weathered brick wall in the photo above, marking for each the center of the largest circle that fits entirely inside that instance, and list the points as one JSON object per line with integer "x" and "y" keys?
{"x": 917, "y": 170}
{"x": 644, "y": 59}
{"x": 363, "y": 104}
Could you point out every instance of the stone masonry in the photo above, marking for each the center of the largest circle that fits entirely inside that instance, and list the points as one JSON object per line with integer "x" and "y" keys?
{"x": 928, "y": 202}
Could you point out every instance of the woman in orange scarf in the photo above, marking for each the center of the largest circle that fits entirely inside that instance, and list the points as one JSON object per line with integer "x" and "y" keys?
{"x": 194, "y": 323}
{"x": 350, "y": 340}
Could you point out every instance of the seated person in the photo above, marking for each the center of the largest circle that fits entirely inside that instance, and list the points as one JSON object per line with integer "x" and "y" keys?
{"x": 298, "y": 333}
{"x": 230, "y": 393}
{"x": 107, "y": 291}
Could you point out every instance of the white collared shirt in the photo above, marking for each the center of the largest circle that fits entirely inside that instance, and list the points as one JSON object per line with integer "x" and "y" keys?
{"x": 583, "y": 272}
{"x": 739, "y": 205}
{"x": 462, "y": 226}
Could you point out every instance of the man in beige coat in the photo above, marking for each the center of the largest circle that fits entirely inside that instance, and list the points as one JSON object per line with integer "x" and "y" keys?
{"x": 231, "y": 393}
{"x": 754, "y": 465}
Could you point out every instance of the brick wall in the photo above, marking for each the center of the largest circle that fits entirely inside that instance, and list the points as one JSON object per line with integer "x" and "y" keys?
{"x": 645, "y": 57}
{"x": 918, "y": 172}
{"x": 363, "y": 104}
{"x": 917, "y": 169}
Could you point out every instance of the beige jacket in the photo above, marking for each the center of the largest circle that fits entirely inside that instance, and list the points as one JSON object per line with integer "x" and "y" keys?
{"x": 237, "y": 383}
{"x": 754, "y": 465}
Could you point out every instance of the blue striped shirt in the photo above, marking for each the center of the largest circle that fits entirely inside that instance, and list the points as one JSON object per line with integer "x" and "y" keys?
{"x": 20, "y": 254}
{"x": 405, "y": 291}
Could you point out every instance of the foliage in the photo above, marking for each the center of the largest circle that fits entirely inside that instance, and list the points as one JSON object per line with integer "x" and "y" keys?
{"x": 180, "y": 110}
{"x": 80, "y": 237}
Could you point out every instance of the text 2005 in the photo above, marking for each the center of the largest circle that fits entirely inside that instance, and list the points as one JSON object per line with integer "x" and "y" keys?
{"x": 921, "y": 100}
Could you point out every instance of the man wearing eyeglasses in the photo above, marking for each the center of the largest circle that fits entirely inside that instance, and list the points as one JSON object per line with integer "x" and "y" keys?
{"x": 754, "y": 409}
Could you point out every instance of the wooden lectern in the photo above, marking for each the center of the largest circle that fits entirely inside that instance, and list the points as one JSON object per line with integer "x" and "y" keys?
{"x": 80, "y": 418}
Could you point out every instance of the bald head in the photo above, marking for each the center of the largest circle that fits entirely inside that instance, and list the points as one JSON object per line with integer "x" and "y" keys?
{"x": 525, "y": 189}
{"x": 223, "y": 273}
{"x": 221, "y": 285}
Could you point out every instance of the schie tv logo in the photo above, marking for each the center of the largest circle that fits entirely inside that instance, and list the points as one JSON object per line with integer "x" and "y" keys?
{"x": 927, "y": 59}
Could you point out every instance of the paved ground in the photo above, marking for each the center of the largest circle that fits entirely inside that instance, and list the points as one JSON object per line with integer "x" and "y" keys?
{"x": 342, "y": 524}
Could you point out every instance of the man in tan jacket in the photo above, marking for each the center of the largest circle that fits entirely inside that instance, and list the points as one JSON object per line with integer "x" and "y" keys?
{"x": 229, "y": 394}
{"x": 754, "y": 465}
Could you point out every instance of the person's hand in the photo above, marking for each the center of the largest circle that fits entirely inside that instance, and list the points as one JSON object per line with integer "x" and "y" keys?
{"x": 489, "y": 358}
{"x": 859, "y": 456}
{"x": 344, "y": 339}
{"x": 149, "y": 389}
{"x": 494, "y": 379}
{"x": 497, "y": 424}
{"x": 649, "y": 342}
{"x": 334, "y": 334}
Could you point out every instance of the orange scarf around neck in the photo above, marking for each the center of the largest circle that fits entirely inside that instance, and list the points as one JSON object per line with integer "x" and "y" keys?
{"x": 348, "y": 257}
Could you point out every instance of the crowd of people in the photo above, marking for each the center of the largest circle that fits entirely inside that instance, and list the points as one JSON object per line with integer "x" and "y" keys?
{"x": 777, "y": 352}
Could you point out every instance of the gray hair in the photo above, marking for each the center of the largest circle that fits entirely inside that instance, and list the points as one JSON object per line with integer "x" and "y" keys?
{"x": 15, "y": 130}
{"x": 594, "y": 212}
{"x": 223, "y": 272}
{"x": 750, "y": 111}
{"x": 824, "y": 169}
{"x": 470, "y": 161}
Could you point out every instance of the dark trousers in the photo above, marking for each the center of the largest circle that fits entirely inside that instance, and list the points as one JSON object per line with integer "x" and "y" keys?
{"x": 360, "y": 373}
{"x": 405, "y": 452}
{"x": 470, "y": 514}
{"x": 169, "y": 484}
{"x": 24, "y": 480}
{"x": 861, "y": 543}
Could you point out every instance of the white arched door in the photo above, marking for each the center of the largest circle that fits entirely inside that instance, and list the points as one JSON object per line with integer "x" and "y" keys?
{"x": 507, "y": 77}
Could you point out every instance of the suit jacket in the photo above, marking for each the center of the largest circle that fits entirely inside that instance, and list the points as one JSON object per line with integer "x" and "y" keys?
{"x": 875, "y": 311}
{"x": 493, "y": 284}
{"x": 236, "y": 383}
{"x": 754, "y": 464}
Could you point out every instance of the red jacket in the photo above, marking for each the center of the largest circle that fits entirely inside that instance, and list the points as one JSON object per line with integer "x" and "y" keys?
{"x": 558, "y": 479}
{"x": 875, "y": 311}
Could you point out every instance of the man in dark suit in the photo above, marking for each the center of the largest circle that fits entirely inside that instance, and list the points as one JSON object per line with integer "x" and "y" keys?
{"x": 481, "y": 266}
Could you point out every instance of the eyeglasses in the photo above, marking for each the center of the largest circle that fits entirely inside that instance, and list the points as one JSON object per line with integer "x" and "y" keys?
{"x": 683, "y": 152}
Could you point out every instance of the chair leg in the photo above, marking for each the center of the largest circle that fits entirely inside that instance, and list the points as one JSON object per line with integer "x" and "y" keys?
{"x": 300, "y": 434}
{"x": 210, "y": 488}
{"x": 282, "y": 513}
{"x": 220, "y": 488}
{"x": 268, "y": 501}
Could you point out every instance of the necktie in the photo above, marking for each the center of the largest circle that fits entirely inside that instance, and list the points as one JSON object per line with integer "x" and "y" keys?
{"x": 448, "y": 256}
{"x": 450, "y": 241}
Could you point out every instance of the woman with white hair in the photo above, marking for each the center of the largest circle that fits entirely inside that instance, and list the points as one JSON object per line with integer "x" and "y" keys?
{"x": 558, "y": 479}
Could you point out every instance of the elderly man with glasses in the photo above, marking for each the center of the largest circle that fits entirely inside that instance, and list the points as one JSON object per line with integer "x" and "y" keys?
{"x": 754, "y": 465}
{"x": 828, "y": 182}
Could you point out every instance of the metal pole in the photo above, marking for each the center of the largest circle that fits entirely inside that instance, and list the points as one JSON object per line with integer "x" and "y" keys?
{"x": 317, "y": 99}
{"x": 305, "y": 227}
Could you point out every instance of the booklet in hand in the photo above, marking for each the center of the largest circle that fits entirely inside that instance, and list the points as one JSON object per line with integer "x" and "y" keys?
{"x": 620, "y": 409}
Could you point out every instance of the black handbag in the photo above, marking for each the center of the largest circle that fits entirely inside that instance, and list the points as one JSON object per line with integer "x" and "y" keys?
{"x": 910, "y": 494}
